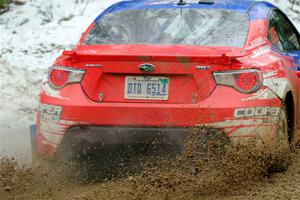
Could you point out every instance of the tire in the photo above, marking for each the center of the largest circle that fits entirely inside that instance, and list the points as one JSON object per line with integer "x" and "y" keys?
{"x": 34, "y": 153}
{"x": 283, "y": 130}
{"x": 280, "y": 155}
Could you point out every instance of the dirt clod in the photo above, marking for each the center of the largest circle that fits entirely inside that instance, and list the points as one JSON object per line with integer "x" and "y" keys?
{"x": 7, "y": 189}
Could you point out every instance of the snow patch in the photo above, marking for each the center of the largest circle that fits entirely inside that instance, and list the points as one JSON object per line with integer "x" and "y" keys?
{"x": 32, "y": 37}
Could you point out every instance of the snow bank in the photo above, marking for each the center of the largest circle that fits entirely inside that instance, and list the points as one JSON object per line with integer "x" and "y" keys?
{"x": 293, "y": 11}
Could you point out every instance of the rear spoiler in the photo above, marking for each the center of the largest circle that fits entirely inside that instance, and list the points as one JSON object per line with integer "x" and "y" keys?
{"x": 164, "y": 54}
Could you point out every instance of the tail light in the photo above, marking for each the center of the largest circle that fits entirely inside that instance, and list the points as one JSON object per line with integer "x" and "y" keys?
{"x": 245, "y": 81}
{"x": 60, "y": 76}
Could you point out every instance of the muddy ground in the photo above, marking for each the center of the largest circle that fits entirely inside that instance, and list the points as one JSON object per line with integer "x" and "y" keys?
{"x": 222, "y": 172}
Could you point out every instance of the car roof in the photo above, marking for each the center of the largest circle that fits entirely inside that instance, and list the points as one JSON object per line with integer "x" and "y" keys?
{"x": 242, "y": 5}
{"x": 237, "y": 5}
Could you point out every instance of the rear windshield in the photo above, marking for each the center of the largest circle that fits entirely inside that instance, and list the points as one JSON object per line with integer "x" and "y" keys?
{"x": 205, "y": 27}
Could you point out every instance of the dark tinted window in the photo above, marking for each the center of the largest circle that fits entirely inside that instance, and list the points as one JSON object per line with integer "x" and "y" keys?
{"x": 282, "y": 33}
{"x": 171, "y": 26}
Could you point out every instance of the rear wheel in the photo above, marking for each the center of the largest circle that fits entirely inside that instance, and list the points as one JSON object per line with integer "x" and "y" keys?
{"x": 34, "y": 153}
{"x": 283, "y": 129}
{"x": 280, "y": 155}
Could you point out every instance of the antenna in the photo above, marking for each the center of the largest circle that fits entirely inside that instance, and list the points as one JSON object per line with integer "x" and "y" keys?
{"x": 181, "y": 3}
{"x": 206, "y": 2}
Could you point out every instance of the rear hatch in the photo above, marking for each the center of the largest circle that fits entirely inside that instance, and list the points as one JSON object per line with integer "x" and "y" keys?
{"x": 151, "y": 73}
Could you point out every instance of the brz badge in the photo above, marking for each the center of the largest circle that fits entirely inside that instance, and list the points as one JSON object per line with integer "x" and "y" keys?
{"x": 93, "y": 65}
{"x": 202, "y": 67}
{"x": 147, "y": 67}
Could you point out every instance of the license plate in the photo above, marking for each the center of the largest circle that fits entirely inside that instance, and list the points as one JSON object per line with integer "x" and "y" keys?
{"x": 146, "y": 87}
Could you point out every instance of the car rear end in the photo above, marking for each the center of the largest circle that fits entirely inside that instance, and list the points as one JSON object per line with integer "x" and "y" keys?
{"x": 146, "y": 76}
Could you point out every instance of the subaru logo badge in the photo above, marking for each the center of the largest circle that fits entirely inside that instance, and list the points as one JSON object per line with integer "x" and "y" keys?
{"x": 147, "y": 67}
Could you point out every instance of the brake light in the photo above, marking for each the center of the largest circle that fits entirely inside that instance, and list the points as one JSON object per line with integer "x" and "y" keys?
{"x": 245, "y": 81}
{"x": 61, "y": 76}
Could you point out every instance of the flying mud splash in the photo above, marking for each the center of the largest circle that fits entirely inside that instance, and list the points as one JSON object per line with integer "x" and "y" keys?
{"x": 208, "y": 166}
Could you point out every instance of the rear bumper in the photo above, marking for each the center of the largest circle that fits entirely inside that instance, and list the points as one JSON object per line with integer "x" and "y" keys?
{"x": 238, "y": 115}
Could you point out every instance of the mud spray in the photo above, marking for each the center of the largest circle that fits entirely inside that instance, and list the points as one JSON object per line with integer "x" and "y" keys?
{"x": 207, "y": 169}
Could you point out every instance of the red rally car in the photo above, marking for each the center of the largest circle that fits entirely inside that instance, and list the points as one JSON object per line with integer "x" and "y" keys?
{"x": 150, "y": 69}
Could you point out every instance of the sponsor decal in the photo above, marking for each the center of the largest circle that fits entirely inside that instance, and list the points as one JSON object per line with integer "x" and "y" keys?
{"x": 50, "y": 113}
{"x": 270, "y": 114}
{"x": 257, "y": 112}
{"x": 256, "y": 43}
{"x": 261, "y": 50}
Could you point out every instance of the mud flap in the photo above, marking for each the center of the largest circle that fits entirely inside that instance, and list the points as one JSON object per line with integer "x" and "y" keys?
{"x": 33, "y": 141}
